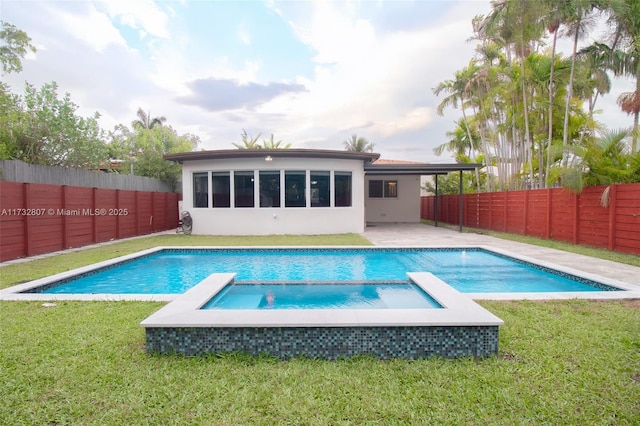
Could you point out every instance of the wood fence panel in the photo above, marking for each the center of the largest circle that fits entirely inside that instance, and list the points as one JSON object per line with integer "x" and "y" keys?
{"x": 172, "y": 209}
{"x": 627, "y": 218}
{"x": 78, "y": 221}
{"x": 498, "y": 206}
{"x": 44, "y": 231}
{"x": 145, "y": 213}
{"x": 563, "y": 215}
{"x": 12, "y": 229}
{"x": 515, "y": 207}
{"x": 484, "y": 211}
{"x": 537, "y": 214}
{"x": 453, "y": 210}
{"x": 159, "y": 211}
{"x": 593, "y": 218}
{"x": 105, "y": 218}
{"x": 556, "y": 214}
{"x": 42, "y": 218}
{"x": 471, "y": 212}
{"x": 127, "y": 206}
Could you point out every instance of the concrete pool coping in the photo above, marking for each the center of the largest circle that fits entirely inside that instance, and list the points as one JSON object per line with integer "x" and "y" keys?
{"x": 628, "y": 291}
{"x": 184, "y": 311}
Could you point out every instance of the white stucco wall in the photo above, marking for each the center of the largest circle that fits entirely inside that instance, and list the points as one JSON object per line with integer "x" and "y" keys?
{"x": 404, "y": 208}
{"x": 276, "y": 220}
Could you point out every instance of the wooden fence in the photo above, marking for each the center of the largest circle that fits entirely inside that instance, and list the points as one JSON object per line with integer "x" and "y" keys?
{"x": 18, "y": 171}
{"x": 556, "y": 214}
{"x": 42, "y": 218}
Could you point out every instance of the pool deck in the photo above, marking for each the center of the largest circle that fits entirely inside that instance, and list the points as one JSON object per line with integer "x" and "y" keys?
{"x": 401, "y": 234}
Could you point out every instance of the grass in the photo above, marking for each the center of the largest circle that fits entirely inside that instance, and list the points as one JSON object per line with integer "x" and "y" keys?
{"x": 560, "y": 362}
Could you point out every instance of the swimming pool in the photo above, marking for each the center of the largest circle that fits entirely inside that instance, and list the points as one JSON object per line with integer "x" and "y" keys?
{"x": 191, "y": 277}
{"x": 172, "y": 271}
{"x": 294, "y": 295}
{"x": 458, "y": 328}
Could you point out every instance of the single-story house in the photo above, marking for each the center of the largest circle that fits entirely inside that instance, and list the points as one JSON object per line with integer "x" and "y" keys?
{"x": 299, "y": 191}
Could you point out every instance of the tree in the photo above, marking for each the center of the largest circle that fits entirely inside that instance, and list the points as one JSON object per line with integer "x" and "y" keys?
{"x": 248, "y": 142}
{"x": 604, "y": 161}
{"x": 152, "y": 144}
{"x": 143, "y": 149}
{"x": 145, "y": 121}
{"x": 272, "y": 144}
{"x": 14, "y": 45}
{"x": 450, "y": 184}
{"x": 358, "y": 144}
{"x": 626, "y": 60}
{"x": 43, "y": 128}
{"x": 581, "y": 18}
{"x": 11, "y": 119}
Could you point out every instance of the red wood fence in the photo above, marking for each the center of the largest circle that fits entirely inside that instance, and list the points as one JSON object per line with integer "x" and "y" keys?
{"x": 556, "y": 214}
{"x": 40, "y": 218}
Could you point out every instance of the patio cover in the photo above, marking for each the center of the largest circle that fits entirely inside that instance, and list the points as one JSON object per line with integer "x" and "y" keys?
{"x": 424, "y": 169}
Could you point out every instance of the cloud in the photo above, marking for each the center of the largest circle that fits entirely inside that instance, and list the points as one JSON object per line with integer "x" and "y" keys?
{"x": 243, "y": 33}
{"x": 215, "y": 94}
{"x": 143, "y": 15}
{"x": 92, "y": 28}
{"x": 413, "y": 120}
{"x": 372, "y": 80}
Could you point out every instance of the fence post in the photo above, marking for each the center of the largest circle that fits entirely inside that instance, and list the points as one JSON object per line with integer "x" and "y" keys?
{"x": 137, "y": 204}
{"x": 490, "y": 211}
{"x": 117, "y": 214}
{"x": 549, "y": 217}
{"x": 506, "y": 211}
{"x": 94, "y": 217}
{"x": 525, "y": 213}
{"x": 576, "y": 217}
{"x": 65, "y": 219}
{"x": 612, "y": 217}
{"x": 153, "y": 211}
{"x": 26, "y": 219}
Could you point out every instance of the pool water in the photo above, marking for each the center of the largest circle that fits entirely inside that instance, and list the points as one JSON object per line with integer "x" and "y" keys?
{"x": 322, "y": 296}
{"x": 173, "y": 271}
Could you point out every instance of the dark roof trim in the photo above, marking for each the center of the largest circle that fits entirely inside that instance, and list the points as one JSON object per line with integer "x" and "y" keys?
{"x": 418, "y": 169}
{"x": 274, "y": 153}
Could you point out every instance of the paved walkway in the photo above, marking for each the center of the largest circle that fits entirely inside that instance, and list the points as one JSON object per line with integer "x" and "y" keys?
{"x": 425, "y": 235}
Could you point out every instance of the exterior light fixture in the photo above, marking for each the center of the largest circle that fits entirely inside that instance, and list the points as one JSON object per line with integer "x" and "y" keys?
{"x": 268, "y": 158}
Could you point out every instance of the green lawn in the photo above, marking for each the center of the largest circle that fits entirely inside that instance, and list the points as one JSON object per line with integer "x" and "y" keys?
{"x": 560, "y": 362}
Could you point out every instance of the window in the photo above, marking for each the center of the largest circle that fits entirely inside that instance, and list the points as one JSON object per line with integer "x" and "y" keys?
{"x": 200, "y": 190}
{"x": 383, "y": 189}
{"x": 294, "y": 188}
{"x": 270, "y": 188}
{"x": 320, "y": 189}
{"x": 342, "y": 189}
{"x": 243, "y": 188}
{"x": 220, "y": 185}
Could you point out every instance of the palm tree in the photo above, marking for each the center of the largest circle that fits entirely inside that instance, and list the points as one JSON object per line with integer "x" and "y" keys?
{"x": 272, "y": 144}
{"x": 557, "y": 15}
{"x": 458, "y": 90}
{"x": 608, "y": 160}
{"x": 247, "y": 141}
{"x": 626, "y": 60}
{"x": 580, "y": 19}
{"x": 145, "y": 121}
{"x": 358, "y": 144}
{"x": 460, "y": 144}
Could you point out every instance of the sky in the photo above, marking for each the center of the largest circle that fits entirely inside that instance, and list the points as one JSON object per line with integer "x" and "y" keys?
{"x": 311, "y": 72}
